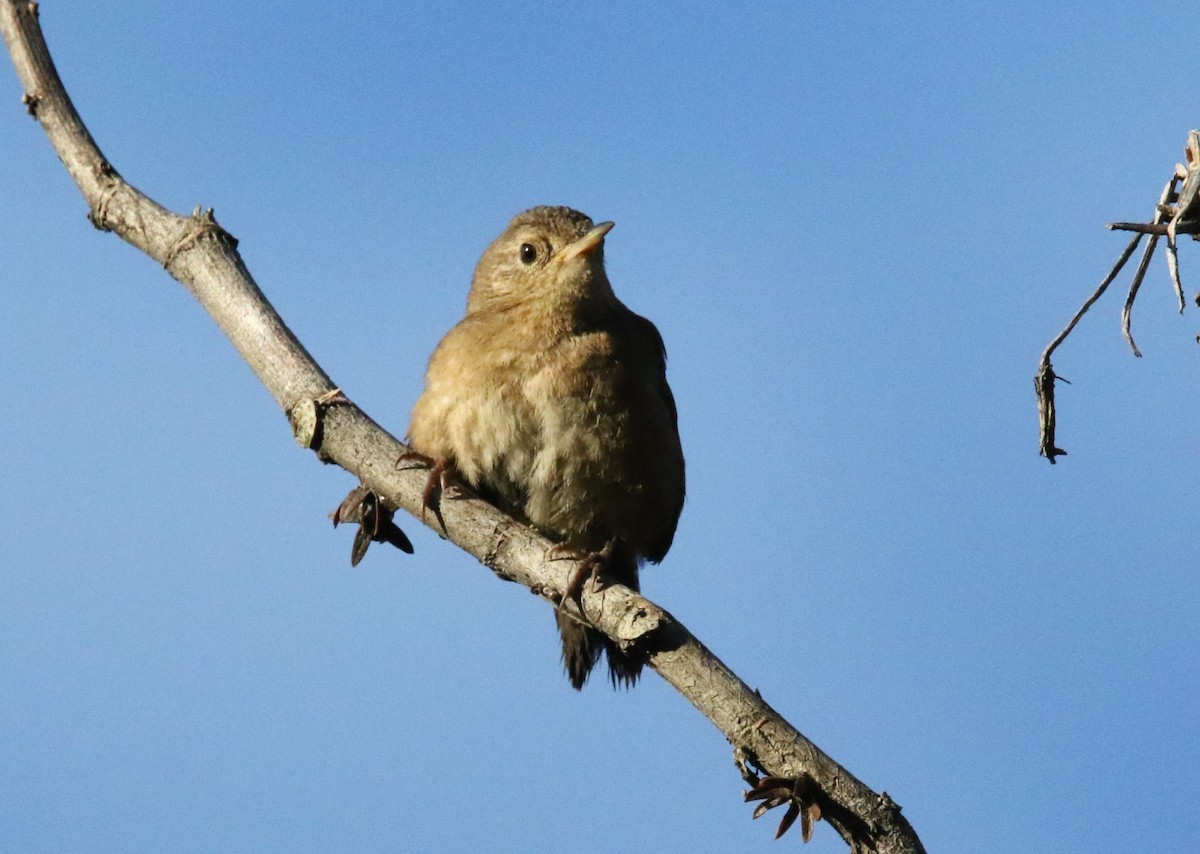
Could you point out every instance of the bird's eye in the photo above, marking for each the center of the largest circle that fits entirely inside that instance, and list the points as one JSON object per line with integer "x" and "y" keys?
{"x": 528, "y": 253}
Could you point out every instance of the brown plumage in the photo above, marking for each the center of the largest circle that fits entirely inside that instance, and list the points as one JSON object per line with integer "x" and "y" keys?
{"x": 550, "y": 397}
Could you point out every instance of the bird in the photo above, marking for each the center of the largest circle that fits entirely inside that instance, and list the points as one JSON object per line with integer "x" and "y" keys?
{"x": 550, "y": 399}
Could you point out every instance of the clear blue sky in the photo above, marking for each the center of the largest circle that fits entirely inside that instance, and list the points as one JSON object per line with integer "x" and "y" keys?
{"x": 856, "y": 226}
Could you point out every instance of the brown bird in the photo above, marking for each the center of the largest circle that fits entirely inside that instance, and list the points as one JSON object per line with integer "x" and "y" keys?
{"x": 550, "y": 398}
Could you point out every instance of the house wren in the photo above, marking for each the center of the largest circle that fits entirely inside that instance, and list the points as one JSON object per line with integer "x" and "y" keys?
{"x": 550, "y": 398}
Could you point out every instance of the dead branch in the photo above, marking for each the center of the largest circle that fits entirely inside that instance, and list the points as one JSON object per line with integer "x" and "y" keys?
{"x": 202, "y": 256}
{"x": 1177, "y": 212}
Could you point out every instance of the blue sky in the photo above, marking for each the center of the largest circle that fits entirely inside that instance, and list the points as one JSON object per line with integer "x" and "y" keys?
{"x": 856, "y": 227}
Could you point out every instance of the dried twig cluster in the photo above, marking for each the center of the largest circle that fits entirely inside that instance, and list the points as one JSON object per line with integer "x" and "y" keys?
{"x": 1177, "y": 212}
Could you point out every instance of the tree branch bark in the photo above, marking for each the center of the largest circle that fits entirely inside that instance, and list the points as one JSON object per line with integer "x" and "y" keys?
{"x": 203, "y": 257}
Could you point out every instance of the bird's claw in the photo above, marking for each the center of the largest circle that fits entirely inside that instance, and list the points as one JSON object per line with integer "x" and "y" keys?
{"x": 796, "y": 792}
{"x": 443, "y": 482}
{"x": 365, "y": 508}
{"x": 793, "y": 791}
{"x": 590, "y": 565}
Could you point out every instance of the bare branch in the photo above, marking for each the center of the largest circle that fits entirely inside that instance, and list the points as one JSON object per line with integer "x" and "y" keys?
{"x": 1159, "y": 228}
{"x": 1044, "y": 381}
{"x": 1177, "y": 212}
{"x": 201, "y": 255}
{"x": 1134, "y": 287}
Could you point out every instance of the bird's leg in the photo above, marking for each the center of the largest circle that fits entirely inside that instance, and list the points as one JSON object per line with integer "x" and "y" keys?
{"x": 443, "y": 481}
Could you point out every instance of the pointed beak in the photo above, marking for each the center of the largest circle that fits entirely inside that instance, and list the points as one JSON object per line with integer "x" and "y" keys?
{"x": 586, "y": 244}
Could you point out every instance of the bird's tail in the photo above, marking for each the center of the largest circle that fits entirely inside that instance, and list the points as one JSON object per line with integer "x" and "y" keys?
{"x": 582, "y": 644}
{"x": 581, "y": 648}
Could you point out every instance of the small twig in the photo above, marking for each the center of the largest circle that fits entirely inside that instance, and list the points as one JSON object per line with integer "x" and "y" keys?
{"x": 1173, "y": 231}
{"x": 1183, "y": 212}
{"x": 1108, "y": 280}
{"x": 1162, "y": 212}
{"x": 1043, "y": 383}
{"x": 1134, "y": 287}
{"x": 1173, "y": 268}
{"x": 1159, "y": 228}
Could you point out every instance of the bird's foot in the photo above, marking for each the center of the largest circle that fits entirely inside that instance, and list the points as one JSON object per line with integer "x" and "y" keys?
{"x": 589, "y": 567}
{"x": 365, "y": 508}
{"x": 443, "y": 482}
{"x": 797, "y": 793}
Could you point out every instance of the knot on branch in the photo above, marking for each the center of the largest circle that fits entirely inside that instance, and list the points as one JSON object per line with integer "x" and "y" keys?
{"x": 201, "y": 224}
{"x": 639, "y": 621}
{"x": 110, "y": 184}
{"x": 307, "y": 419}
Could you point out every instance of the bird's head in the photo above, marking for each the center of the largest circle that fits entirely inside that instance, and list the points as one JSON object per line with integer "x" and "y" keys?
{"x": 548, "y": 257}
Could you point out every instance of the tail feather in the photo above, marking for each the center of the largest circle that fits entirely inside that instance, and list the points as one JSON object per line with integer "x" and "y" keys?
{"x": 623, "y": 668}
{"x": 581, "y": 649}
{"x": 582, "y": 645}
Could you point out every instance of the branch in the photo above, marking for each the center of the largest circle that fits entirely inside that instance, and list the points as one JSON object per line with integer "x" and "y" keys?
{"x": 203, "y": 257}
{"x": 1177, "y": 212}
{"x": 1159, "y": 228}
{"x": 1044, "y": 381}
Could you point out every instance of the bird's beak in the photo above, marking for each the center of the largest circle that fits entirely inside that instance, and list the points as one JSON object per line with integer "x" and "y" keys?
{"x": 586, "y": 244}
